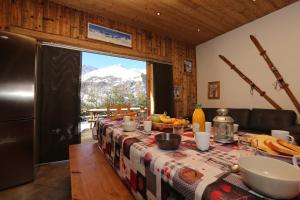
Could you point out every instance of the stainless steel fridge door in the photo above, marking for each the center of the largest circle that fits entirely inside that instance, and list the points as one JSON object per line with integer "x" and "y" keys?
{"x": 16, "y": 152}
{"x": 17, "y": 75}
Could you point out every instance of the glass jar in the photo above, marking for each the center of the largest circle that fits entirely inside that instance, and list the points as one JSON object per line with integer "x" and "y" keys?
{"x": 142, "y": 114}
{"x": 223, "y": 127}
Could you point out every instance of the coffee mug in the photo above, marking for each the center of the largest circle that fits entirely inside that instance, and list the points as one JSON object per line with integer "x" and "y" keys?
{"x": 235, "y": 128}
{"x": 284, "y": 135}
{"x": 208, "y": 127}
{"x": 296, "y": 160}
{"x": 147, "y": 126}
{"x": 202, "y": 140}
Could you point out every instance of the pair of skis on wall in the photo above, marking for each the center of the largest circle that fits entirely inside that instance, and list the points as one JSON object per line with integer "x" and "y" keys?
{"x": 280, "y": 81}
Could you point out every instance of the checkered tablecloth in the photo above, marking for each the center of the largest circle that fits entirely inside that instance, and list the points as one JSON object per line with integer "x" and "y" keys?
{"x": 187, "y": 173}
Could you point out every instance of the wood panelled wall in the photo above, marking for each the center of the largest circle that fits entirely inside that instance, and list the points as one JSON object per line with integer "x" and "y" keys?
{"x": 48, "y": 21}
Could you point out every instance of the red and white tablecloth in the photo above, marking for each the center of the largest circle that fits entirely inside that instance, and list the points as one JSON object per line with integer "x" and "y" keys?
{"x": 187, "y": 173}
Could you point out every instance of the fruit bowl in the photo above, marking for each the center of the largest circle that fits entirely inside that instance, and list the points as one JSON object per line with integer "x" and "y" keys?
{"x": 162, "y": 121}
{"x": 162, "y": 126}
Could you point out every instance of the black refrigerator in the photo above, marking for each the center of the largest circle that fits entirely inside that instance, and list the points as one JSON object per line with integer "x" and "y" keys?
{"x": 17, "y": 109}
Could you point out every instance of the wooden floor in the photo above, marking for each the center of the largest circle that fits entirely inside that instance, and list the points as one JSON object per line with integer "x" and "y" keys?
{"x": 92, "y": 177}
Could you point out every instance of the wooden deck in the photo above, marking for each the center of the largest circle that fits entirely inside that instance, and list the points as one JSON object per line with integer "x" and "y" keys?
{"x": 92, "y": 177}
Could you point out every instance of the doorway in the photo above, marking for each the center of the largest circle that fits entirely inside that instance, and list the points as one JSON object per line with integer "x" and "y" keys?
{"x": 73, "y": 81}
{"x": 108, "y": 80}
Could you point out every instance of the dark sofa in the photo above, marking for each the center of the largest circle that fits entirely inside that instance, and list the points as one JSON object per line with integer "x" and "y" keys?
{"x": 261, "y": 121}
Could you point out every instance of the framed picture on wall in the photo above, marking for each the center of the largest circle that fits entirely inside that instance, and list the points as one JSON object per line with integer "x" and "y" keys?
{"x": 188, "y": 66}
{"x": 177, "y": 92}
{"x": 213, "y": 90}
{"x": 105, "y": 34}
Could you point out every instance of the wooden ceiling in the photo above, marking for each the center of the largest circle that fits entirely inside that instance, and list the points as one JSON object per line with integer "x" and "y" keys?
{"x": 190, "y": 21}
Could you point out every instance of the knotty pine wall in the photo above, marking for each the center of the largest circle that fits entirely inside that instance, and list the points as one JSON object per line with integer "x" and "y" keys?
{"x": 51, "y": 22}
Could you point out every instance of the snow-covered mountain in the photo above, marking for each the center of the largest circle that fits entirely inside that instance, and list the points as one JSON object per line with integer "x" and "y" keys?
{"x": 117, "y": 71}
{"x": 112, "y": 82}
{"x": 88, "y": 68}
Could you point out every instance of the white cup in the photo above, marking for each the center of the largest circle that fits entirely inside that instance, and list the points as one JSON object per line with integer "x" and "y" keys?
{"x": 202, "y": 140}
{"x": 196, "y": 127}
{"x": 284, "y": 135}
{"x": 235, "y": 128}
{"x": 208, "y": 127}
{"x": 126, "y": 118}
{"x": 296, "y": 159}
{"x": 147, "y": 126}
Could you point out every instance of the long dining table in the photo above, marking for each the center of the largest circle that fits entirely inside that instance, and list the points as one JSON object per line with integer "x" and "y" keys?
{"x": 185, "y": 173}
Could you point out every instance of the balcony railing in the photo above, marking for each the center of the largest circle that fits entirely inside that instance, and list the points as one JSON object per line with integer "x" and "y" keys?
{"x": 94, "y": 113}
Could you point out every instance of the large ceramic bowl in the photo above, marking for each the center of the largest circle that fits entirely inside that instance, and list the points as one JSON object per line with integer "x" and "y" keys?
{"x": 270, "y": 177}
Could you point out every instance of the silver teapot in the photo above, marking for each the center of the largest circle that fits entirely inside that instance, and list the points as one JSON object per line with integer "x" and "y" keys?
{"x": 223, "y": 127}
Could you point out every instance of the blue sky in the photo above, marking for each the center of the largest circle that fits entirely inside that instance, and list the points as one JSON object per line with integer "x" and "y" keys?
{"x": 98, "y": 60}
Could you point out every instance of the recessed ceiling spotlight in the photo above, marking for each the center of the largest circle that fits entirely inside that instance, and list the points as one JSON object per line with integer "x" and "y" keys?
{"x": 3, "y": 37}
{"x": 198, "y": 30}
{"x": 253, "y": 0}
{"x": 158, "y": 13}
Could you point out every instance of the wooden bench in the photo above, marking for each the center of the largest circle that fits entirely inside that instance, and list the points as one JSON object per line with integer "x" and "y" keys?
{"x": 92, "y": 177}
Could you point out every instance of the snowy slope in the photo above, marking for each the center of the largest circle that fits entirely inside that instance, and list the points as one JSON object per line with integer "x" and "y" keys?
{"x": 117, "y": 71}
{"x": 88, "y": 68}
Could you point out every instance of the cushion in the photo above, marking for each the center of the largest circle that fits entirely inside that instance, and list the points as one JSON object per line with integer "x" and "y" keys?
{"x": 270, "y": 119}
{"x": 240, "y": 116}
{"x": 210, "y": 113}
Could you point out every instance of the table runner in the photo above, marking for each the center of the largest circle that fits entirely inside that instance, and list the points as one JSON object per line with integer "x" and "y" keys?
{"x": 186, "y": 173}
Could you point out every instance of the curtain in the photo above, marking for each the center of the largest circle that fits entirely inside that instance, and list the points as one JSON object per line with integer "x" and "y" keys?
{"x": 163, "y": 88}
{"x": 58, "y": 102}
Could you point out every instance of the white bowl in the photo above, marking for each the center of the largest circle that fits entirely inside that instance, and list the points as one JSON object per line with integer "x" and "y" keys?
{"x": 129, "y": 126}
{"x": 270, "y": 177}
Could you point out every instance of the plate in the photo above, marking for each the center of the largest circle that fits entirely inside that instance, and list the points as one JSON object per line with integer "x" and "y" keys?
{"x": 288, "y": 159}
